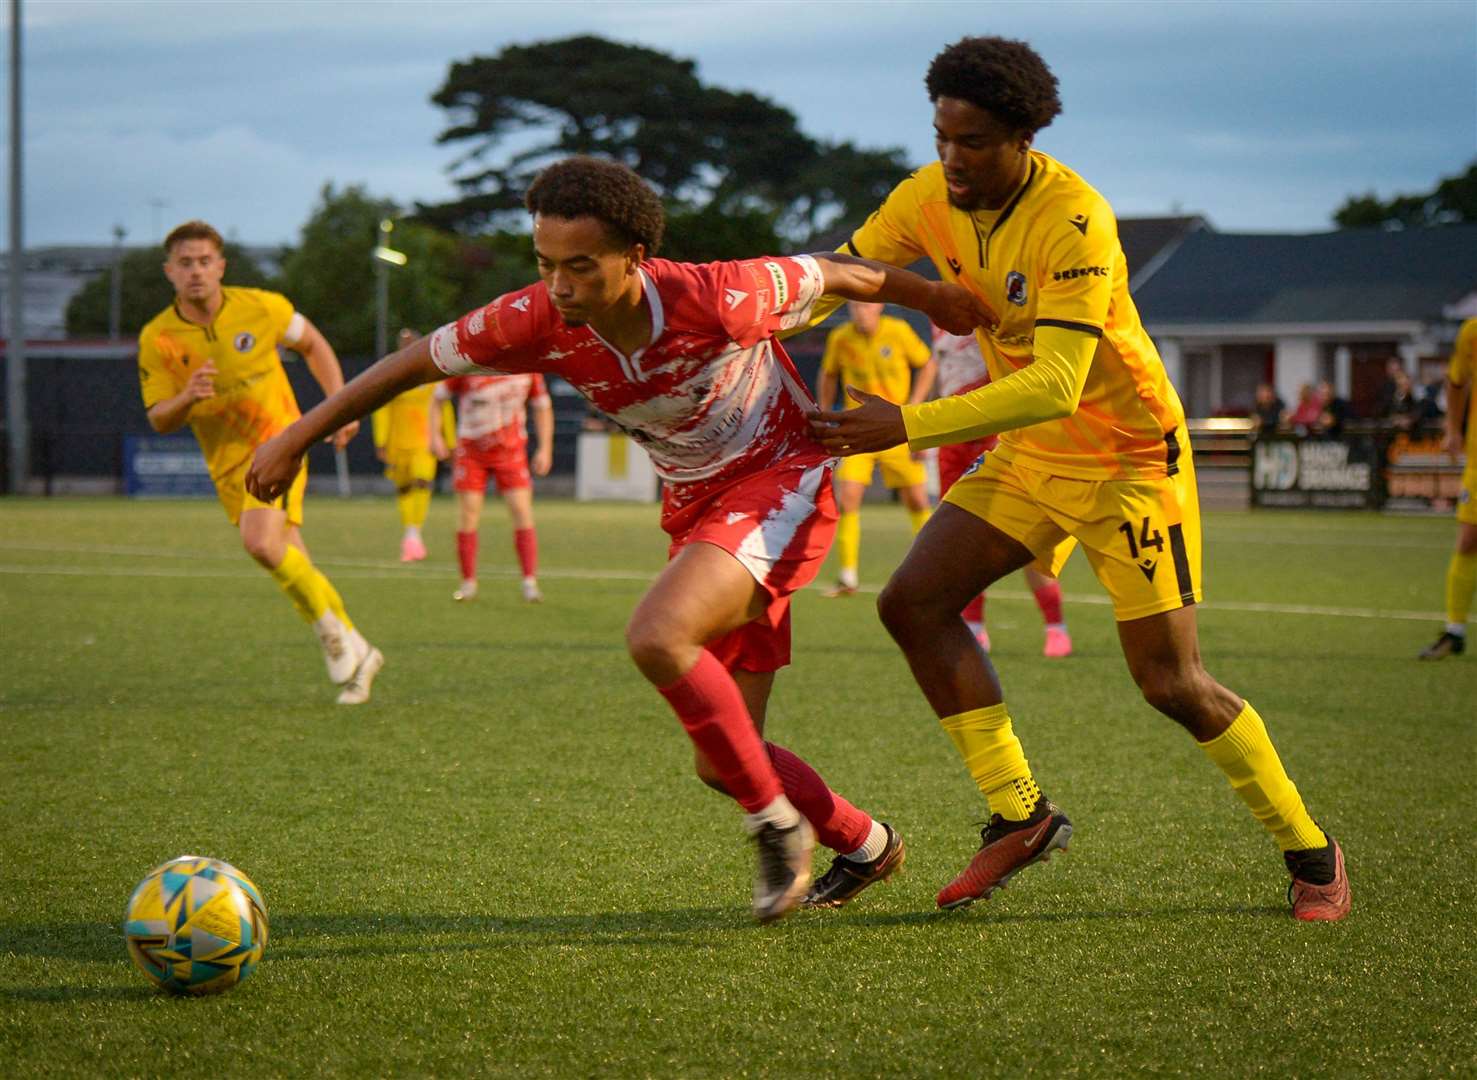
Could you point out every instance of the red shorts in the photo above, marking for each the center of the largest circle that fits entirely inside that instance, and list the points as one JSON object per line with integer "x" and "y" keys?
{"x": 779, "y": 523}
{"x": 508, "y": 466}
{"x": 955, "y": 460}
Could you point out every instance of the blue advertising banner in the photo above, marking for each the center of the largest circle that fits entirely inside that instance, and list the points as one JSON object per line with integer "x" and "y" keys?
{"x": 165, "y": 466}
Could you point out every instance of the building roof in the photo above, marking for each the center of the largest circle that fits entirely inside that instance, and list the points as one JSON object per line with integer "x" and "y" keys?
{"x": 1351, "y": 276}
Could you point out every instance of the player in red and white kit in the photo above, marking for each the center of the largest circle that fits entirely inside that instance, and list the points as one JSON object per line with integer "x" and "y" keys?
{"x": 492, "y": 441}
{"x": 961, "y": 368}
{"x": 683, "y": 358}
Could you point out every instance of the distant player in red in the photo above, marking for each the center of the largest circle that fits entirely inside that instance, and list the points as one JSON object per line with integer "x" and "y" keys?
{"x": 961, "y": 368}
{"x": 683, "y": 358}
{"x": 492, "y": 441}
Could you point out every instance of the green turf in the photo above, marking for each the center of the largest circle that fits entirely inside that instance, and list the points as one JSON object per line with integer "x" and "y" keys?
{"x": 503, "y": 865}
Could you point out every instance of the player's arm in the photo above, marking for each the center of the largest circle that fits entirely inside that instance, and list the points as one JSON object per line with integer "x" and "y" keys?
{"x": 305, "y": 339}
{"x": 949, "y": 306}
{"x": 172, "y": 413}
{"x": 829, "y": 379}
{"x": 1457, "y": 397}
{"x": 920, "y": 356}
{"x": 440, "y": 402}
{"x": 276, "y": 462}
{"x": 542, "y": 458}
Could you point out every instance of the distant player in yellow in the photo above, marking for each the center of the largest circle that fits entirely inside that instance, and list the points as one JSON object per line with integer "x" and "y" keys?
{"x": 879, "y": 354}
{"x": 402, "y": 440}
{"x": 210, "y": 360}
{"x": 1092, "y": 450}
{"x": 1461, "y": 572}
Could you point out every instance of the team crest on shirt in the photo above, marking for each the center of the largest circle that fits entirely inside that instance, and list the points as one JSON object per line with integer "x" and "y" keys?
{"x": 1015, "y": 288}
{"x": 244, "y": 341}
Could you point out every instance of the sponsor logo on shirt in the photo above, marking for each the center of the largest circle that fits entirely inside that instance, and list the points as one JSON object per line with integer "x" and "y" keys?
{"x": 244, "y": 341}
{"x": 1015, "y": 288}
{"x": 1079, "y": 222}
{"x": 1079, "y": 271}
{"x": 520, "y": 304}
{"x": 781, "y": 285}
{"x": 735, "y": 297}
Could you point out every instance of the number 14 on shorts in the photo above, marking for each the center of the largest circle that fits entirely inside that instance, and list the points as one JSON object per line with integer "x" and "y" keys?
{"x": 1146, "y": 541}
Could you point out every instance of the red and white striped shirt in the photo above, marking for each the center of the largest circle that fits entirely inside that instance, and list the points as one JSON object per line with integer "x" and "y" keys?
{"x": 491, "y": 409}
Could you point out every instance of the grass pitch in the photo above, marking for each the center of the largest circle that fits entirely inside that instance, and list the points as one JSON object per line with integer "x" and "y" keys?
{"x": 503, "y": 866}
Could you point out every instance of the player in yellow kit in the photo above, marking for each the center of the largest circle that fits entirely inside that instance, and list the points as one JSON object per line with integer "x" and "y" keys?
{"x": 210, "y": 360}
{"x": 1461, "y": 572}
{"x": 402, "y": 440}
{"x": 1092, "y": 451}
{"x": 879, "y": 354}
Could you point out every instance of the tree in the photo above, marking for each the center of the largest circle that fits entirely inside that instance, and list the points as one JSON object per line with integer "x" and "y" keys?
{"x": 145, "y": 291}
{"x": 737, "y": 173}
{"x": 1453, "y": 200}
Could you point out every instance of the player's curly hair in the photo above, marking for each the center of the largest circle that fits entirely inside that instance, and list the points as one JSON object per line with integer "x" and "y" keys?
{"x": 193, "y": 230}
{"x": 1006, "y": 78}
{"x": 604, "y": 190}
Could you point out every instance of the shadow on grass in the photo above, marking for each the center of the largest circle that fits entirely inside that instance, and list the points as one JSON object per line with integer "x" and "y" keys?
{"x": 307, "y": 936}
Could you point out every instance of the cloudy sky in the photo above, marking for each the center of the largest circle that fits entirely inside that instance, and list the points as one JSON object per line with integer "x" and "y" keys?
{"x": 1263, "y": 116}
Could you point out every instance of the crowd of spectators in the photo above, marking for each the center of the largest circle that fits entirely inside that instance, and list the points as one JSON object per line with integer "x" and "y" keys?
{"x": 1400, "y": 405}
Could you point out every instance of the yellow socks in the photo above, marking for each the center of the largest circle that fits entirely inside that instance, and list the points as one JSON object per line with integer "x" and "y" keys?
{"x": 1461, "y": 580}
{"x": 849, "y": 540}
{"x": 993, "y": 756}
{"x": 413, "y": 505}
{"x": 1244, "y": 752}
{"x": 917, "y": 518}
{"x": 310, "y": 592}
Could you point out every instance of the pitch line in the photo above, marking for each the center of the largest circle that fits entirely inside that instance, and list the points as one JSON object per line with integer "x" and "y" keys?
{"x": 371, "y": 570}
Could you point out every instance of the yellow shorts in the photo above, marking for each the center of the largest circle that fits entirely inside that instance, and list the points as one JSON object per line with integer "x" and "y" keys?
{"x": 235, "y": 498}
{"x": 1142, "y": 537}
{"x": 899, "y": 470}
{"x": 406, "y": 467}
{"x": 1466, "y": 502}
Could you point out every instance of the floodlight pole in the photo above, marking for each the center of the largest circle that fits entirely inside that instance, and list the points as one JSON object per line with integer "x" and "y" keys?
{"x": 115, "y": 290}
{"x": 16, "y": 425}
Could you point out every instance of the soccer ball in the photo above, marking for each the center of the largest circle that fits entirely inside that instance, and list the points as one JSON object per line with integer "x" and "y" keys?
{"x": 196, "y": 926}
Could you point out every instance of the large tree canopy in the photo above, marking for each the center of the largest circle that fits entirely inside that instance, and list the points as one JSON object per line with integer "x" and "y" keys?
{"x": 712, "y": 153}
{"x": 1453, "y": 200}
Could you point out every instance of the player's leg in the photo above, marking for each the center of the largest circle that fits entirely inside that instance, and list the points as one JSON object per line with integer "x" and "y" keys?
{"x": 413, "y": 475}
{"x": 954, "y": 461}
{"x": 1461, "y": 579}
{"x": 702, "y": 594}
{"x": 470, "y": 483}
{"x": 519, "y": 499}
{"x": 956, "y": 556}
{"x": 1048, "y": 593}
{"x": 852, "y": 477}
{"x": 908, "y": 476}
{"x": 1163, "y": 656}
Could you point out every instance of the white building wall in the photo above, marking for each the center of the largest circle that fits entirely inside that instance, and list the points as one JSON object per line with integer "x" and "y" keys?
{"x": 1296, "y": 364}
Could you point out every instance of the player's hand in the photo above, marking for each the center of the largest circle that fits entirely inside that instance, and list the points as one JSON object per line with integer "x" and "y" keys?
{"x": 381, "y": 453}
{"x": 542, "y": 461}
{"x": 1452, "y": 443}
{"x": 438, "y": 447}
{"x": 957, "y": 310}
{"x": 875, "y": 424}
{"x": 341, "y": 437}
{"x": 274, "y": 467}
{"x": 201, "y": 383}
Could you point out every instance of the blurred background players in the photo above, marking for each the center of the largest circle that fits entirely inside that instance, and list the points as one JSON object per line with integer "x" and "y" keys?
{"x": 877, "y": 353}
{"x": 961, "y": 368}
{"x": 402, "y": 440}
{"x": 492, "y": 440}
{"x": 1461, "y": 572}
{"x": 210, "y": 360}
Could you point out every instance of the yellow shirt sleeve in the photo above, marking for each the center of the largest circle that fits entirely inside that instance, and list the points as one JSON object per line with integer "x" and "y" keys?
{"x": 155, "y": 381}
{"x": 1048, "y": 388}
{"x": 1084, "y": 250}
{"x": 831, "y": 358}
{"x": 381, "y": 422}
{"x": 914, "y": 348}
{"x": 279, "y": 312}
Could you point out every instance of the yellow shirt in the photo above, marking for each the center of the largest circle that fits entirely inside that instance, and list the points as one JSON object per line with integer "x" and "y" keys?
{"x": 1049, "y": 258}
{"x": 880, "y": 363}
{"x": 253, "y": 400}
{"x": 404, "y": 424}
{"x": 1460, "y": 370}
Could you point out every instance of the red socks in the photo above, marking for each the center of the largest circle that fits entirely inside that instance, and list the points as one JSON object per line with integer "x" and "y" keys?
{"x": 526, "y": 543}
{"x": 1049, "y": 600}
{"x": 709, "y": 704}
{"x": 838, "y": 824}
{"x": 466, "y": 554}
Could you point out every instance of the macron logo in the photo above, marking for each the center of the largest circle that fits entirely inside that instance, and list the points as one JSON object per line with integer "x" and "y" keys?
{"x": 521, "y": 304}
{"x": 735, "y": 298}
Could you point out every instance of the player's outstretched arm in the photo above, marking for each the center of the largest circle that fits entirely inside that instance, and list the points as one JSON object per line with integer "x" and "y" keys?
{"x": 949, "y": 306}
{"x": 276, "y": 462}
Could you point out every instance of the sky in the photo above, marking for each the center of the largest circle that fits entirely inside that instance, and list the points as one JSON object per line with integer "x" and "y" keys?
{"x": 1262, "y": 116}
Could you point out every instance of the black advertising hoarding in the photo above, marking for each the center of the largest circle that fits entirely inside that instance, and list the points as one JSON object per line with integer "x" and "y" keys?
{"x": 1317, "y": 474}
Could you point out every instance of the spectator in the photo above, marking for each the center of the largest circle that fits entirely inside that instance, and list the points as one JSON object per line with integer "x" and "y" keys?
{"x": 1335, "y": 411}
{"x": 1268, "y": 411}
{"x": 1405, "y": 407}
{"x": 1304, "y": 418}
{"x": 1433, "y": 407}
{"x": 1386, "y": 395}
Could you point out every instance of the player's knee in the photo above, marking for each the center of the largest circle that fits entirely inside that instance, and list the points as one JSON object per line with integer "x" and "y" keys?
{"x": 1177, "y": 692}
{"x": 653, "y": 647}
{"x": 895, "y": 610}
{"x": 266, "y": 550}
